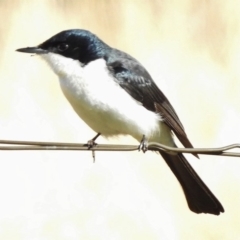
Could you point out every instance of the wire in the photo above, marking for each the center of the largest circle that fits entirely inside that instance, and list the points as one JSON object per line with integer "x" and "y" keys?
{"x": 31, "y": 145}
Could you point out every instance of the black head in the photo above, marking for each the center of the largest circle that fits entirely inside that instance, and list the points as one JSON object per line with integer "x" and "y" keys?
{"x": 77, "y": 44}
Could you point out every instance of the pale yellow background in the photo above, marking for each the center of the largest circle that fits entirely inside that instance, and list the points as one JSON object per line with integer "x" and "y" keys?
{"x": 192, "y": 50}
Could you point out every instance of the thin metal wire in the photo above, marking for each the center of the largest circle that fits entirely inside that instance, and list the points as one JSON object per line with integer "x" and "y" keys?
{"x": 31, "y": 145}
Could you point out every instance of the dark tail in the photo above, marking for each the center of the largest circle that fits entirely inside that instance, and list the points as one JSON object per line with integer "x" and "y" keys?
{"x": 199, "y": 198}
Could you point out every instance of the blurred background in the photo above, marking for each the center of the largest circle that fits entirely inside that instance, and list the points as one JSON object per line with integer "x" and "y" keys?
{"x": 192, "y": 51}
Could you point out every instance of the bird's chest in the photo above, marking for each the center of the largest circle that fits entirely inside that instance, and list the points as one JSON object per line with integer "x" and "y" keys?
{"x": 88, "y": 95}
{"x": 96, "y": 97}
{"x": 92, "y": 87}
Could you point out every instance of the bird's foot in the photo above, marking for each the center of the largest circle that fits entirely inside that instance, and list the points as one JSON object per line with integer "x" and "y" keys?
{"x": 143, "y": 144}
{"x": 91, "y": 143}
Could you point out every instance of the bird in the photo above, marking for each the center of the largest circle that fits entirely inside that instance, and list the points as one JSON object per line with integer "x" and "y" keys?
{"x": 115, "y": 95}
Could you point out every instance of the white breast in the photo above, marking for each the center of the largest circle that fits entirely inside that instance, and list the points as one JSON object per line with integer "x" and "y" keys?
{"x": 102, "y": 103}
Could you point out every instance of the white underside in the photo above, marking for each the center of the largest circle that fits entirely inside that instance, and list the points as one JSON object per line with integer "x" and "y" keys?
{"x": 102, "y": 104}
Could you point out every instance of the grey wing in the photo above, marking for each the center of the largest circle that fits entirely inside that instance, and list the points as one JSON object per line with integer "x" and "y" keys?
{"x": 135, "y": 80}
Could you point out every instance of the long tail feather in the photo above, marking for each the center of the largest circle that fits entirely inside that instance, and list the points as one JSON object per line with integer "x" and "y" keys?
{"x": 199, "y": 198}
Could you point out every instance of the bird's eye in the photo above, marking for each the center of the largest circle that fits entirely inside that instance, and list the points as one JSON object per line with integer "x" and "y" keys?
{"x": 62, "y": 47}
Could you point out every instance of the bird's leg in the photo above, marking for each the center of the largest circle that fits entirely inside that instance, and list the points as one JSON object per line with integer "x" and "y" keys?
{"x": 143, "y": 144}
{"x": 91, "y": 143}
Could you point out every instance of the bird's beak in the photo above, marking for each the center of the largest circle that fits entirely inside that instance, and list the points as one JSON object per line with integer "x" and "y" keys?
{"x": 36, "y": 50}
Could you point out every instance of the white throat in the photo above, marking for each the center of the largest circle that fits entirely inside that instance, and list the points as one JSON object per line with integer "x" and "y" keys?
{"x": 61, "y": 65}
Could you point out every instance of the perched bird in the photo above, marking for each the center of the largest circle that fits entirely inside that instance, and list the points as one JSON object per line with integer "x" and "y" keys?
{"x": 115, "y": 95}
